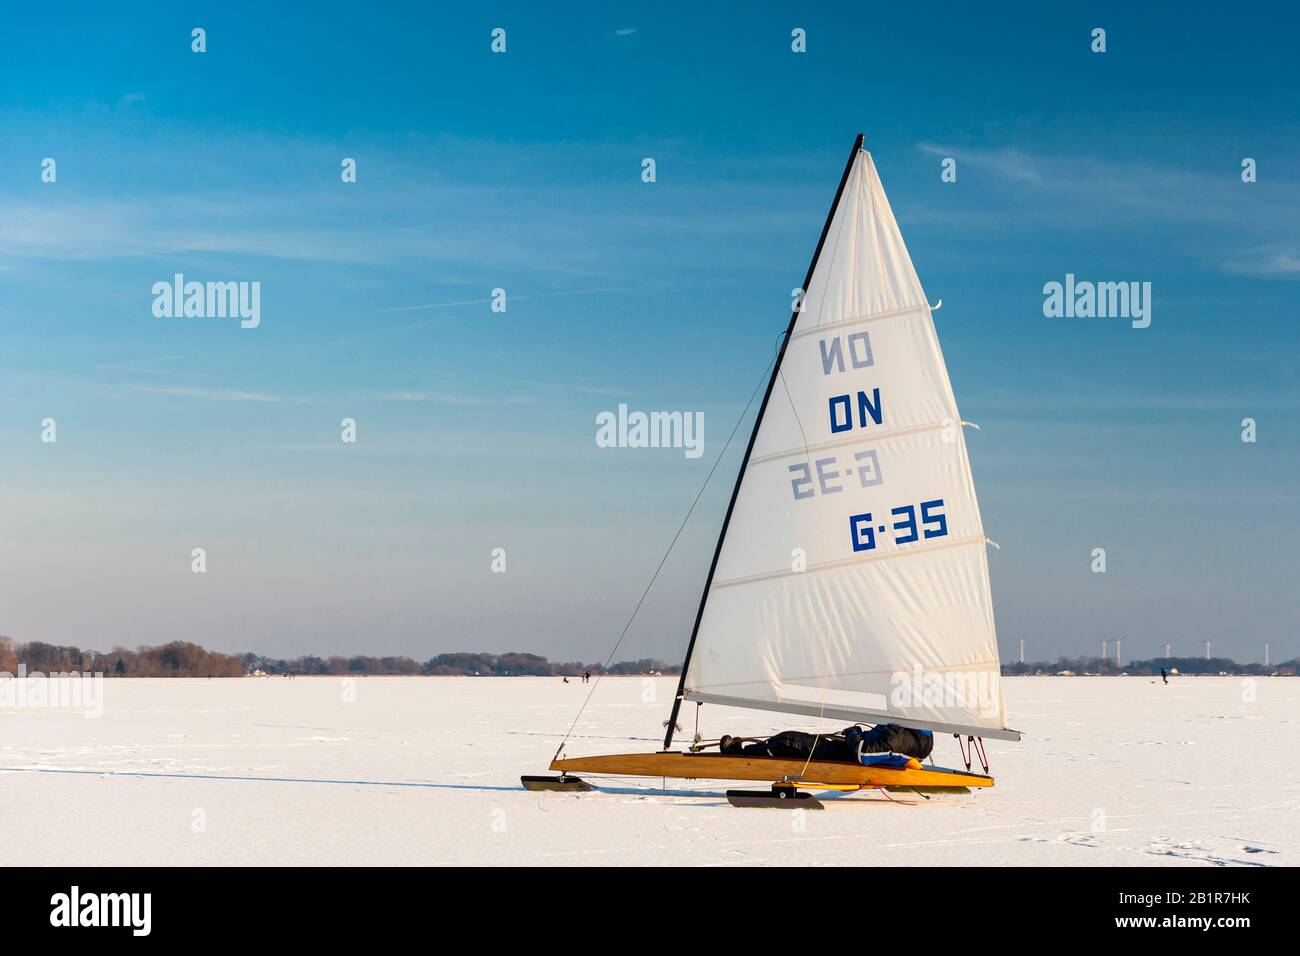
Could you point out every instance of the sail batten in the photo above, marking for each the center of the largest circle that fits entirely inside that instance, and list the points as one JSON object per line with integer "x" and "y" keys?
{"x": 802, "y": 451}
{"x": 853, "y": 552}
{"x": 862, "y": 319}
{"x": 831, "y": 565}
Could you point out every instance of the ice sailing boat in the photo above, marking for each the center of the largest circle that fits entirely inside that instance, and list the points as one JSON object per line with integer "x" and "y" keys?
{"x": 850, "y": 579}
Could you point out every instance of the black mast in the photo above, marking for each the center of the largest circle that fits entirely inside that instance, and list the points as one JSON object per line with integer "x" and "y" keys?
{"x": 735, "y": 492}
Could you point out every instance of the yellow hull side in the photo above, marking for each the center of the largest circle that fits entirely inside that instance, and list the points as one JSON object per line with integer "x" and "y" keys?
{"x": 810, "y": 774}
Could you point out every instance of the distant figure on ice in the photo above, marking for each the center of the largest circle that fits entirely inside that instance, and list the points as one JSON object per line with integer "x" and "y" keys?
{"x": 566, "y": 680}
{"x": 1163, "y": 676}
{"x": 586, "y": 676}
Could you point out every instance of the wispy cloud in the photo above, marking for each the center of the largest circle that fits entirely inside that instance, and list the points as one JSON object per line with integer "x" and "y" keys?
{"x": 1106, "y": 187}
{"x": 488, "y": 212}
{"x": 1048, "y": 403}
{"x": 485, "y": 300}
{"x": 1088, "y": 192}
{"x": 1277, "y": 261}
{"x": 149, "y": 367}
{"x": 579, "y": 388}
{"x": 211, "y": 394}
{"x": 451, "y": 398}
{"x": 70, "y": 384}
{"x": 100, "y": 229}
{"x": 1008, "y": 163}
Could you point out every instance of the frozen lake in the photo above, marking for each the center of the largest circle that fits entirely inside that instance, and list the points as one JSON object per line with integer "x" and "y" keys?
{"x": 1111, "y": 772}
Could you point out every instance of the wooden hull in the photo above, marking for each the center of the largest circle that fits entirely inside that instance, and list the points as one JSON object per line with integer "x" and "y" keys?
{"x": 807, "y": 774}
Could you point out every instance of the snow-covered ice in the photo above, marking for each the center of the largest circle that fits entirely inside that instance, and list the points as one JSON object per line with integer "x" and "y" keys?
{"x": 1111, "y": 772}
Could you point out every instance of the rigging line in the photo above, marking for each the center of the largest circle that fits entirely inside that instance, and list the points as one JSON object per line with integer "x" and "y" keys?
{"x": 664, "y": 559}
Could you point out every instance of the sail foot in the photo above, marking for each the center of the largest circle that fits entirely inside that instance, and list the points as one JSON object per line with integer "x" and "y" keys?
{"x": 852, "y": 715}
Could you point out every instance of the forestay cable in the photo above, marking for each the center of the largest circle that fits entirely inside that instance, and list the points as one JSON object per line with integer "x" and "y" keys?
{"x": 626, "y": 627}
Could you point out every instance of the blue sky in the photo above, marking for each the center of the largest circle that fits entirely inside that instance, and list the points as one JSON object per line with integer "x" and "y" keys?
{"x": 522, "y": 171}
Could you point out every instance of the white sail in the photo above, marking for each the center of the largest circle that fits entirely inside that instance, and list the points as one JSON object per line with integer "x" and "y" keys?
{"x": 852, "y": 579}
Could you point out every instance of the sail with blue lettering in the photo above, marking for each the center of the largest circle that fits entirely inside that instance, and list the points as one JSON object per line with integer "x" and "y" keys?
{"x": 852, "y": 578}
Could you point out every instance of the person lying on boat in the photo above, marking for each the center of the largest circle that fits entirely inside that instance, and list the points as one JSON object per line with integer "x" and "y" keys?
{"x": 848, "y": 745}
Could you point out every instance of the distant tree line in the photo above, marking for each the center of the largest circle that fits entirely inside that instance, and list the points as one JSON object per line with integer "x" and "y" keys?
{"x": 174, "y": 659}
{"x": 462, "y": 663}
{"x": 183, "y": 659}
{"x": 1106, "y": 666}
